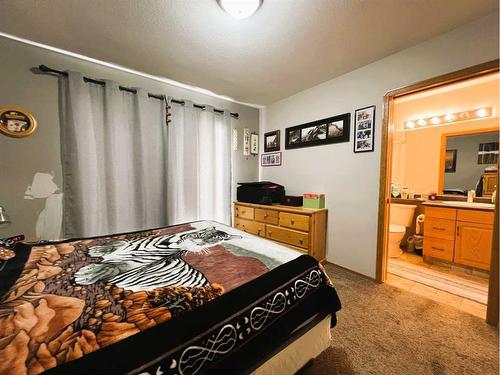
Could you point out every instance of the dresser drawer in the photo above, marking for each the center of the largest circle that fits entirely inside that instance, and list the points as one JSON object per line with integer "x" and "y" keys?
{"x": 243, "y": 212}
{"x": 476, "y": 216}
{"x": 266, "y": 216}
{"x": 441, "y": 213}
{"x": 438, "y": 248}
{"x": 439, "y": 228}
{"x": 252, "y": 227}
{"x": 294, "y": 221}
{"x": 288, "y": 236}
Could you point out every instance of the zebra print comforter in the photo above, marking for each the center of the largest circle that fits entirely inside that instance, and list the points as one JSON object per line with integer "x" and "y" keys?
{"x": 185, "y": 299}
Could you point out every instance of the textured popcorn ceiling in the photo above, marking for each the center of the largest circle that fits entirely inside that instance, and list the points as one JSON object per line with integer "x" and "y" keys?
{"x": 286, "y": 47}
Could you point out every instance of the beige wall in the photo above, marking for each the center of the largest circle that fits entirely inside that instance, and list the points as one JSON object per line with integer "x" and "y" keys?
{"x": 351, "y": 181}
{"x": 417, "y": 152}
{"x": 20, "y": 159}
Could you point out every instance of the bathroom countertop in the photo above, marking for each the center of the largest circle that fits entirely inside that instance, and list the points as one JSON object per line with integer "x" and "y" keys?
{"x": 407, "y": 201}
{"x": 458, "y": 204}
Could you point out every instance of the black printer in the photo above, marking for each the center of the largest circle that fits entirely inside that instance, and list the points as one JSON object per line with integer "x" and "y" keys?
{"x": 264, "y": 192}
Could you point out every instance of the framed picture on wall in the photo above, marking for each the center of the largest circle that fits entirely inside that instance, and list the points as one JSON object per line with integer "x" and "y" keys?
{"x": 364, "y": 129}
{"x": 334, "y": 129}
{"x": 254, "y": 143}
{"x": 272, "y": 141}
{"x": 271, "y": 159}
{"x": 246, "y": 142}
{"x": 16, "y": 122}
{"x": 450, "y": 161}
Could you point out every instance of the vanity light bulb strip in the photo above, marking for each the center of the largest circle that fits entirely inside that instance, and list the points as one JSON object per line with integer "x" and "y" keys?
{"x": 449, "y": 118}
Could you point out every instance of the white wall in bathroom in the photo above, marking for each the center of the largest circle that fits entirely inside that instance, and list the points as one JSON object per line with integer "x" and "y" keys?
{"x": 351, "y": 181}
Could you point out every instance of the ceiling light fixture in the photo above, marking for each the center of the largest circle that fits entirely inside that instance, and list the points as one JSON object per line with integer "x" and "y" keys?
{"x": 449, "y": 117}
{"x": 464, "y": 115}
{"x": 240, "y": 9}
{"x": 435, "y": 120}
{"x": 482, "y": 112}
{"x": 438, "y": 120}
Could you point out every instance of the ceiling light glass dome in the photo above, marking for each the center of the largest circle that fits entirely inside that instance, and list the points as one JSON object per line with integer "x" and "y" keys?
{"x": 240, "y": 9}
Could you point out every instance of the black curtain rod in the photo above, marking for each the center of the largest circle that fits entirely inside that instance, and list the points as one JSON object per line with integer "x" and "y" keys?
{"x": 46, "y": 69}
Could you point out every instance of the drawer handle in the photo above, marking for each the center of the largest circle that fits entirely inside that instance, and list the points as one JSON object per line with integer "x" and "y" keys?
{"x": 270, "y": 232}
{"x": 437, "y": 248}
{"x": 243, "y": 211}
{"x": 301, "y": 241}
{"x": 436, "y": 228}
{"x": 292, "y": 222}
{"x": 266, "y": 215}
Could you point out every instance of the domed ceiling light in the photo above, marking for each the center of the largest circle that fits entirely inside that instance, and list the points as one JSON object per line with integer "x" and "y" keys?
{"x": 240, "y": 9}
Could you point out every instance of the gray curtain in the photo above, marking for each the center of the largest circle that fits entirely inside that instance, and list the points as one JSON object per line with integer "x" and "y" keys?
{"x": 199, "y": 164}
{"x": 113, "y": 150}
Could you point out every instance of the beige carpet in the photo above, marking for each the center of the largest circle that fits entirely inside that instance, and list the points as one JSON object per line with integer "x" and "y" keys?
{"x": 385, "y": 330}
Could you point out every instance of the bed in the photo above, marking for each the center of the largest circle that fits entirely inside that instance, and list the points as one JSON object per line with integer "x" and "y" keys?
{"x": 193, "y": 298}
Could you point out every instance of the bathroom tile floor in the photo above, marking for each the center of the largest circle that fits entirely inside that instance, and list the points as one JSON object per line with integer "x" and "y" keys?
{"x": 468, "y": 286}
{"x": 461, "y": 303}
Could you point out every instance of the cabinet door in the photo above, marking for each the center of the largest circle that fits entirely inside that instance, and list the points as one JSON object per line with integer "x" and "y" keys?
{"x": 473, "y": 244}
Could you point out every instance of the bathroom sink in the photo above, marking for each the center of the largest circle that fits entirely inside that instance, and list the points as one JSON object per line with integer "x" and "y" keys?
{"x": 469, "y": 205}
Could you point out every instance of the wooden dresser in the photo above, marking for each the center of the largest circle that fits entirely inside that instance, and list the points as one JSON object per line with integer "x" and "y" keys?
{"x": 462, "y": 236}
{"x": 303, "y": 229}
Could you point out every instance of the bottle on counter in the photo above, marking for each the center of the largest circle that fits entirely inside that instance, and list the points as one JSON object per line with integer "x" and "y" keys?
{"x": 470, "y": 196}
{"x": 405, "y": 193}
{"x": 395, "y": 190}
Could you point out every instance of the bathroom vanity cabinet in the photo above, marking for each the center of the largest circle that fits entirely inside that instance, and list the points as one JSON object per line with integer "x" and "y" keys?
{"x": 462, "y": 236}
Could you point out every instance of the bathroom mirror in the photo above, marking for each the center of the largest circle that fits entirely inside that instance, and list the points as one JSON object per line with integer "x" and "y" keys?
{"x": 469, "y": 162}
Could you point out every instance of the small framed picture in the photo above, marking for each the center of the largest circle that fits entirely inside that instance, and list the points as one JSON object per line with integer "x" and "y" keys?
{"x": 17, "y": 123}
{"x": 271, "y": 159}
{"x": 334, "y": 129}
{"x": 450, "y": 161}
{"x": 364, "y": 129}
{"x": 254, "y": 143}
{"x": 272, "y": 141}
{"x": 246, "y": 142}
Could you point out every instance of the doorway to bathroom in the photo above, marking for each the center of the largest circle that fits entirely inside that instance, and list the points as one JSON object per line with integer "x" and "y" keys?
{"x": 439, "y": 149}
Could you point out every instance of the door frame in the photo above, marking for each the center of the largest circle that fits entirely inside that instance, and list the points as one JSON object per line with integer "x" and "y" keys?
{"x": 386, "y": 173}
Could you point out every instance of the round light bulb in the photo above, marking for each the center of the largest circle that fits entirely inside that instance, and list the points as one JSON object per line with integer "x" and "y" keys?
{"x": 410, "y": 124}
{"x": 435, "y": 120}
{"x": 240, "y": 9}
{"x": 422, "y": 122}
{"x": 482, "y": 112}
{"x": 449, "y": 117}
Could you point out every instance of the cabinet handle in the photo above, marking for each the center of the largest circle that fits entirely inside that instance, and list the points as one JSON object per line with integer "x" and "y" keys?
{"x": 301, "y": 241}
{"x": 436, "y": 228}
{"x": 266, "y": 215}
{"x": 458, "y": 231}
{"x": 270, "y": 232}
{"x": 437, "y": 248}
{"x": 292, "y": 222}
